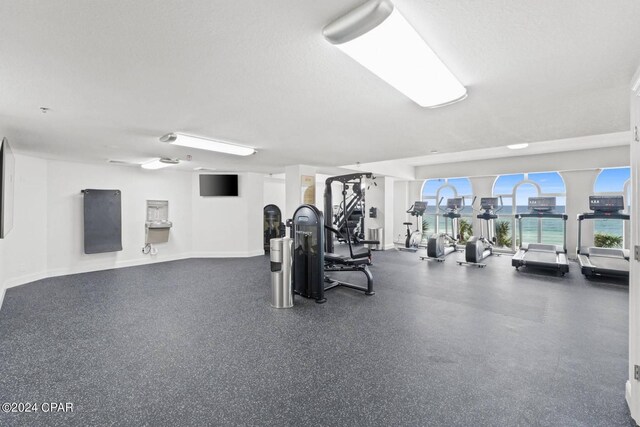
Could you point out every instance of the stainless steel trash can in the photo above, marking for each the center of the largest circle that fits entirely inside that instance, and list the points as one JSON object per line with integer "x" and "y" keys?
{"x": 280, "y": 255}
{"x": 376, "y": 234}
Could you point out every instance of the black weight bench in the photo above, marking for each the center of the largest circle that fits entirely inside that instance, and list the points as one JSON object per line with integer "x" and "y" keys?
{"x": 358, "y": 261}
{"x": 330, "y": 258}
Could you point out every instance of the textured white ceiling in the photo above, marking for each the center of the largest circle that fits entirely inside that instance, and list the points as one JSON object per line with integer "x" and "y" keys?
{"x": 119, "y": 74}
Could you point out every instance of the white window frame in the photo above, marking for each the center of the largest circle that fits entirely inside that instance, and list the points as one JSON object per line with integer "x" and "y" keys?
{"x": 514, "y": 205}
{"x": 626, "y": 187}
{"x": 436, "y": 198}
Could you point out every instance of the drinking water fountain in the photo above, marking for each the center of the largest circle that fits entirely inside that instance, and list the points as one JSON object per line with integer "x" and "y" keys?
{"x": 157, "y": 225}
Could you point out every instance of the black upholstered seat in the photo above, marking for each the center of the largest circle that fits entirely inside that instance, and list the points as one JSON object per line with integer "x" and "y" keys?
{"x": 343, "y": 259}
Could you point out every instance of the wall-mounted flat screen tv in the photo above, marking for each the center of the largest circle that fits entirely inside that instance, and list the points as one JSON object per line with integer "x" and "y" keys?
{"x": 218, "y": 185}
{"x": 7, "y": 179}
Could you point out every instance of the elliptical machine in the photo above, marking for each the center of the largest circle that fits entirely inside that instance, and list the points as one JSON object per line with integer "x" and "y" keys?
{"x": 413, "y": 239}
{"x": 440, "y": 245}
{"x": 479, "y": 248}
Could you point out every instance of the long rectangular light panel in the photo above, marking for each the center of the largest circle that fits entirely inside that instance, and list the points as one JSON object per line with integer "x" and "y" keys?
{"x": 207, "y": 144}
{"x": 396, "y": 53}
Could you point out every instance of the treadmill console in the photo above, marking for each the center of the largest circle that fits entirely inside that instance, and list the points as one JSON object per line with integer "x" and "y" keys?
{"x": 419, "y": 208}
{"x": 489, "y": 203}
{"x": 454, "y": 203}
{"x": 606, "y": 203}
{"x": 542, "y": 204}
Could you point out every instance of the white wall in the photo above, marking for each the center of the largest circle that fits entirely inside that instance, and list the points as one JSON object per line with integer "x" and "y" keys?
{"x": 572, "y": 160}
{"x": 25, "y": 247}
{"x": 389, "y": 211}
{"x": 229, "y": 226}
{"x": 374, "y": 198}
{"x": 293, "y": 185}
{"x": 400, "y": 206}
{"x": 274, "y": 193}
{"x": 47, "y": 237}
{"x": 64, "y": 237}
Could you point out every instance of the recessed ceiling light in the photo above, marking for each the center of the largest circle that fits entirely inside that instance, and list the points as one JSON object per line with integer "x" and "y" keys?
{"x": 159, "y": 163}
{"x": 518, "y": 146}
{"x": 207, "y": 144}
{"x": 434, "y": 151}
{"x": 44, "y": 110}
{"x": 377, "y": 36}
{"x": 200, "y": 168}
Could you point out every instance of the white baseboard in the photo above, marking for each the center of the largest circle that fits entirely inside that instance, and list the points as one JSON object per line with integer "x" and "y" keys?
{"x": 389, "y": 246}
{"x": 87, "y": 268}
{"x": 629, "y": 397}
{"x": 27, "y": 278}
{"x": 236, "y": 254}
{"x": 2, "y": 292}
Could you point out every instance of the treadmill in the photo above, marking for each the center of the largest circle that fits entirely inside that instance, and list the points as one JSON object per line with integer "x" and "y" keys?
{"x": 611, "y": 262}
{"x": 539, "y": 255}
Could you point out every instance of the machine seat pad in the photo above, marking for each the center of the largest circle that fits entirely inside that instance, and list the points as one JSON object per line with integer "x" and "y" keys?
{"x": 363, "y": 253}
{"x": 541, "y": 247}
{"x": 610, "y": 252}
{"x": 342, "y": 259}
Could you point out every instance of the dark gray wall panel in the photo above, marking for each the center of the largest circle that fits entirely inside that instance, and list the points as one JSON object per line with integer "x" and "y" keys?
{"x": 102, "y": 221}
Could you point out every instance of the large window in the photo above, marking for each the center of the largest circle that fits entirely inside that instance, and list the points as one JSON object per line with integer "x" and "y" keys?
{"x": 612, "y": 182}
{"x": 515, "y": 191}
{"x": 436, "y": 191}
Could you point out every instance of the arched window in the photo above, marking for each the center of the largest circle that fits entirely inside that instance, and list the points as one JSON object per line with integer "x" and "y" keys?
{"x": 613, "y": 182}
{"x": 434, "y": 190}
{"x": 515, "y": 191}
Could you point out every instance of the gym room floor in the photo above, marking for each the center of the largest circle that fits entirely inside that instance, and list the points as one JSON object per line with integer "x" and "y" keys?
{"x": 195, "y": 342}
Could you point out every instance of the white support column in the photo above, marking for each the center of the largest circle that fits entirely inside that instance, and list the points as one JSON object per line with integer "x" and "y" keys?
{"x": 254, "y": 190}
{"x": 400, "y": 205}
{"x": 389, "y": 217}
{"x": 375, "y": 198}
{"x": 579, "y": 185}
{"x": 482, "y": 186}
{"x": 293, "y": 187}
{"x": 633, "y": 384}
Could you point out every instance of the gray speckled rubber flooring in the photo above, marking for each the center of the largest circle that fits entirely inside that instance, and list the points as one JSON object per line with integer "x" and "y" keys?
{"x": 195, "y": 342}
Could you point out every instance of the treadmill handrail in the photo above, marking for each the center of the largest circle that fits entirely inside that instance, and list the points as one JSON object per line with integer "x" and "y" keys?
{"x": 602, "y": 215}
{"x": 596, "y": 215}
{"x": 542, "y": 215}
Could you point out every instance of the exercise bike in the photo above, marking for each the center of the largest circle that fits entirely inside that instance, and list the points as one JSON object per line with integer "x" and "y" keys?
{"x": 413, "y": 238}
{"x": 479, "y": 248}
{"x": 440, "y": 245}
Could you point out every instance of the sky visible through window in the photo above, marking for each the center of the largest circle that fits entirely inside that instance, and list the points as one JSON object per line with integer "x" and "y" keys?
{"x": 612, "y": 180}
{"x": 549, "y": 182}
{"x": 430, "y": 190}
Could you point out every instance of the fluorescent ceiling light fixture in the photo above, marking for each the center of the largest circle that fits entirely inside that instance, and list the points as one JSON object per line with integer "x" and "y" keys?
{"x": 518, "y": 146}
{"x": 377, "y": 36}
{"x": 159, "y": 163}
{"x": 207, "y": 144}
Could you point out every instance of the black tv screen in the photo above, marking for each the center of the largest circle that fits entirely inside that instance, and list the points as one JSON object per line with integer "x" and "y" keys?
{"x": 218, "y": 185}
